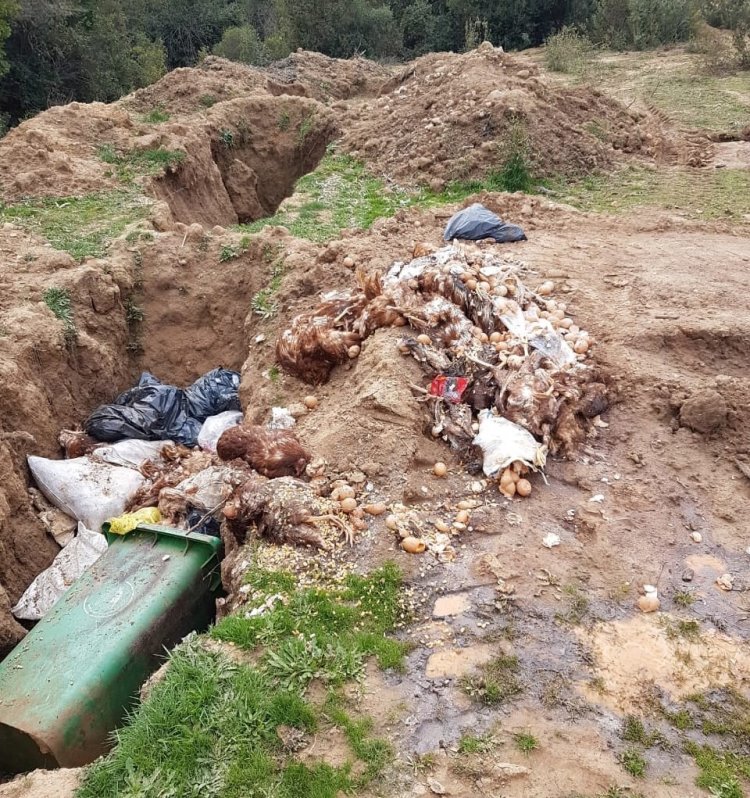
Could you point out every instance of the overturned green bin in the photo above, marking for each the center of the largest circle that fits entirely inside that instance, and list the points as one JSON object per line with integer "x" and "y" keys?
{"x": 69, "y": 683}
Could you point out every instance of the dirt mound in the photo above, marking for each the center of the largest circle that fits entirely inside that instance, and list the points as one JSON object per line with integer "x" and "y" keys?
{"x": 326, "y": 78}
{"x": 235, "y": 163}
{"x": 443, "y": 117}
{"x": 191, "y": 90}
{"x": 55, "y": 153}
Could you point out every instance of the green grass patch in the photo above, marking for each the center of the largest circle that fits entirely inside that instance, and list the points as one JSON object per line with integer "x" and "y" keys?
{"x": 701, "y": 101}
{"x": 634, "y": 731}
{"x": 342, "y": 193}
{"x": 81, "y": 226}
{"x": 471, "y": 744}
{"x": 326, "y": 634}
{"x": 680, "y": 719}
{"x": 263, "y": 303}
{"x": 137, "y": 163}
{"x": 58, "y": 301}
{"x": 211, "y": 727}
{"x": 632, "y": 762}
{"x": 577, "y": 609}
{"x": 684, "y": 599}
{"x": 525, "y": 742}
{"x": 375, "y": 753}
{"x": 692, "y": 193}
{"x": 720, "y": 771}
{"x": 674, "y": 83}
{"x": 339, "y": 193}
{"x": 683, "y": 629}
{"x": 496, "y": 682}
{"x": 156, "y": 116}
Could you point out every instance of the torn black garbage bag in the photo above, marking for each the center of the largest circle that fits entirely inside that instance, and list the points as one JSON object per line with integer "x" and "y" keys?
{"x": 213, "y": 393}
{"x": 477, "y": 222}
{"x": 155, "y": 411}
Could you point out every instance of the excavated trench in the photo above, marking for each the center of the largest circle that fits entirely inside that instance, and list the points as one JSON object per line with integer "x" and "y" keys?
{"x": 174, "y": 301}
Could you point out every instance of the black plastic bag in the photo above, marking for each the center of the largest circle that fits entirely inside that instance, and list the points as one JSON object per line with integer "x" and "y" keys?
{"x": 477, "y": 222}
{"x": 154, "y": 411}
{"x": 199, "y": 521}
{"x": 213, "y": 393}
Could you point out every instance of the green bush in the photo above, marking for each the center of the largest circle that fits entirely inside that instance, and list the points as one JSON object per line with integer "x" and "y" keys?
{"x": 642, "y": 24}
{"x": 566, "y": 50}
{"x": 656, "y": 22}
{"x": 241, "y": 44}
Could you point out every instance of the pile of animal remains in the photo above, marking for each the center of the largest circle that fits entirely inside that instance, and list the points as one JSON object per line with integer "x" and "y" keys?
{"x": 251, "y": 479}
{"x": 508, "y": 368}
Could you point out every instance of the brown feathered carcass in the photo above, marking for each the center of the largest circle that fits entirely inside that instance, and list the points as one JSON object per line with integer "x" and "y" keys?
{"x": 77, "y": 443}
{"x": 271, "y": 452}
{"x": 317, "y": 341}
{"x": 283, "y": 510}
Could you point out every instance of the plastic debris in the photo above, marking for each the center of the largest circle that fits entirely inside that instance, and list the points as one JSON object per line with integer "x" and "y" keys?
{"x": 503, "y": 442}
{"x": 155, "y": 411}
{"x": 129, "y": 453}
{"x": 88, "y": 491}
{"x": 550, "y": 540}
{"x": 449, "y": 388}
{"x": 281, "y": 418}
{"x": 127, "y": 522}
{"x": 477, "y": 222}
{"x": 44, "y": 592}
{"x": 215, "y": 426}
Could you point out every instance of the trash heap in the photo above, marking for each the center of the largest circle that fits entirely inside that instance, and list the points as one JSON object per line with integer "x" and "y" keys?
{"x": 509, "y": 372}
{"x": 214, "y": 475}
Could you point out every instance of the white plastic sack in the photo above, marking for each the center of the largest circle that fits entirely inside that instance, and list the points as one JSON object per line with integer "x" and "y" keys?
{"x": 215, "y": 426}
{"x": 502, "y": 442}
{"x": 91, "y": 492}
{"x": 43, "y": 593}
{"x": 130, "y": 453}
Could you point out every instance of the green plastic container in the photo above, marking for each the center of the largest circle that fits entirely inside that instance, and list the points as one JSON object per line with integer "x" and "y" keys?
{"x": 69, "y": 683}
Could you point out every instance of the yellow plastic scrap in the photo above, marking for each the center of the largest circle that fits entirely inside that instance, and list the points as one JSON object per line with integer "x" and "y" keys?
{"x": 129, "y": 521}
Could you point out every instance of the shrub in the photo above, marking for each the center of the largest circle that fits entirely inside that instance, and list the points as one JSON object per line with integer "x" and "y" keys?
{"x": 241, "y": 44}
{"x": 566, "y": 50}
{"x": 642, "y": 24}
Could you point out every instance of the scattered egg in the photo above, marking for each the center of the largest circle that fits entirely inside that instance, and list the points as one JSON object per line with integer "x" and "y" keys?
{"x": 413, "y": 545}
{"x": 348, "y": 505}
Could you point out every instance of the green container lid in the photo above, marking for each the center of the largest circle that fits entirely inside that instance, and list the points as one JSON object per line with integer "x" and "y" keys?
{"x": 70, "y": 681}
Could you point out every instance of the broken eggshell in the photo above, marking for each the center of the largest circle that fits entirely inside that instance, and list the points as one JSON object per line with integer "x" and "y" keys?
{"x": 413, "y": 545}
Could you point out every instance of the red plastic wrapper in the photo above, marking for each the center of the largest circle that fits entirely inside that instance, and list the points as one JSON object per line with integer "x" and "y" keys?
{"x": 449, "y": 388}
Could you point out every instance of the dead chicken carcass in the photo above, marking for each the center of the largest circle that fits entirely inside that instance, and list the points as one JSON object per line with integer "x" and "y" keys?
{"x": 271, "y": 452}
{"x": 283, "y": 510}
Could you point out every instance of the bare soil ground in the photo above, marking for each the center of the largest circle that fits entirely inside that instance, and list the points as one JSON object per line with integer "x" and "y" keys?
{"x": 667, "y": 332}
{"x": 656, "y": 497}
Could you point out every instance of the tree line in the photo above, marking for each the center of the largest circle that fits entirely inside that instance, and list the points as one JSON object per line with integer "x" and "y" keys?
{"x": 56, "y": 51}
